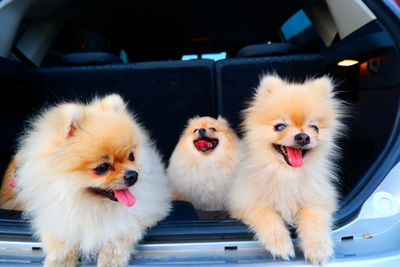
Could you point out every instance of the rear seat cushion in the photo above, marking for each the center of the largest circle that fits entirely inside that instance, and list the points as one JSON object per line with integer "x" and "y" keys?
{"x": 162, "y": 94}
{"x": 237, "y": 78}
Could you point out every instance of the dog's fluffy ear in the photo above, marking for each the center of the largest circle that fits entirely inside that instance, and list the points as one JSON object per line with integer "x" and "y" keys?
{"x": 270, "y": 83}
{"x": 72, "y": 116}
{"x": 323, "y": 85}
{"x": 192, "y": 120}
{"x": 113, "y": 102}
{"x": 222, "y": 120}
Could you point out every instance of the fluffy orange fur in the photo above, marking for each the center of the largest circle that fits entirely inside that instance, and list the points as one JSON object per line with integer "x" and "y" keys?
{"x": 203, "y": 178}
{"x": 268, "y": 191}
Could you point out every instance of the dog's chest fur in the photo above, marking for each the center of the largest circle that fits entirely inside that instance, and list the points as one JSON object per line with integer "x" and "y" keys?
{"x": 204, "y": 180}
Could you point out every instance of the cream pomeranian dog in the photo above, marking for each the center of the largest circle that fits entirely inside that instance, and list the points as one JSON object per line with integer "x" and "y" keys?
{"x": 202, "y": 165}
{"x": 8, "y": 197}
{"x": 288, "y": 172}
{"x": 91, "y": 182}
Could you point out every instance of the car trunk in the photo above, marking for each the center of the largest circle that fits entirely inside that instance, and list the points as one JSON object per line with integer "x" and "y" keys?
{"x": 165, "y": 94}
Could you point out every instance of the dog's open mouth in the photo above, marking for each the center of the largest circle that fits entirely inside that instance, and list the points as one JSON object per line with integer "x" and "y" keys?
{"x": 292, "y": 155}
{"x": 205, "y": 144}
{"x": 122, "y": 195}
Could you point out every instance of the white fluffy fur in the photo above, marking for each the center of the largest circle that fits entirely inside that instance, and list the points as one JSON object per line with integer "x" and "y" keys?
{"x": 286, "y": 189}
{"x": 113, "y": 101}
{"x": 204, "y": 185}
{"x": 58, "y": 208}
{"x": 204, "y": 178}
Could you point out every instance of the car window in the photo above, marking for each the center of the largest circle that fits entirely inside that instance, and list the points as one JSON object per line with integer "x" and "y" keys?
{"x": 295, "y": 25}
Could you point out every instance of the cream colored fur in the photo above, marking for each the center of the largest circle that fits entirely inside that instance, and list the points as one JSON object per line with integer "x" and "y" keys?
{"x": 203, "y": 178}
{"x": 69, "y": 220}
{"x": 267, "y": 193}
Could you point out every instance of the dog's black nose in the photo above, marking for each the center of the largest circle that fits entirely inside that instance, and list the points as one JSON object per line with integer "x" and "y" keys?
{"x": 302, "y": 139}
{"x": 202, "y": 131}
{"x": 130, "y": 178}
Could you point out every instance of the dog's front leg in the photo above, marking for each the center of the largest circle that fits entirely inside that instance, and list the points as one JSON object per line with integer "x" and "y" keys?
{"x": 313, "y": 229}
{"x": 116, "y": 253}
{"x": 58, "y": 253}
{"x": 270, "y": 229}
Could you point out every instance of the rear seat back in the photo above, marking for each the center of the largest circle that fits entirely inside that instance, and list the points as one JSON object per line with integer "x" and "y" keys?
{"x": 17, "y": 98}
{"x": 162, "y": 94}
{"x": 236, "y": 79}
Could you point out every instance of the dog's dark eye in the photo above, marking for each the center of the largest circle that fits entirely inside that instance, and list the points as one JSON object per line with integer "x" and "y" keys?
{"x": 195, "y": 130}
{"x": 279, "y": 127}
{"x": 212, "y": 129}
{"x": 131, "y": 157}
{"x": 102, "y": 168}
{"x": 315, "y": 128}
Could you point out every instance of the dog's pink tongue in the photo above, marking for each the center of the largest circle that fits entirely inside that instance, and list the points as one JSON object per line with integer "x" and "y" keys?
{"x": 202, "y": 144}
{"x": 13, "y": 182}
{"x": 294, "y": 156}
{"x": 125, "y": 197}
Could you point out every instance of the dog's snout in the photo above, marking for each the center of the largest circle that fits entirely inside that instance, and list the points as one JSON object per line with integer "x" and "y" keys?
{"x": 202, "y": 132}
{"x": 302, "y": 139}
{"x": 130, "y": 178}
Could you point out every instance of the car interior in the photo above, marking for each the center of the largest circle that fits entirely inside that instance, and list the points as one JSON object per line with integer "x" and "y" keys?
{"x": 138, "y": 49}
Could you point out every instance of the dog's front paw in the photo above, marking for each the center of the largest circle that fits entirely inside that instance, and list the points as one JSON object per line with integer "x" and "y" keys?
{"x": 318, "y": 249}
{"x": 111, "y": 262}
{"x": 280, "y": 246}
{"x": 271, "y": 230}
{"x": 55, "y": 263}
{"x": 115, "y": 253}
{"x": 313, "y": 230}
{"x": 113, "y": 259}
{"x": 58, "y": 254}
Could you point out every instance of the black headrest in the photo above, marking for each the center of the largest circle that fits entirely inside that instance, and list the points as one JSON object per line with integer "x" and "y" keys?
{"x": 90, "y": 58}
{"x": 268, "y": 49}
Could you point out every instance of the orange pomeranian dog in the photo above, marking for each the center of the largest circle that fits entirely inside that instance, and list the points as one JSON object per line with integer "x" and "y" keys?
{"x": 202, "y": 165}
{"x": 8, "y": 196}
{"x": 90, "y": 181}
{"x": 288, "y": 172}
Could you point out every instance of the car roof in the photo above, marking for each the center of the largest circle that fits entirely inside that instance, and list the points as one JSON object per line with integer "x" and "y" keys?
{"x": 172, "y": 28}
